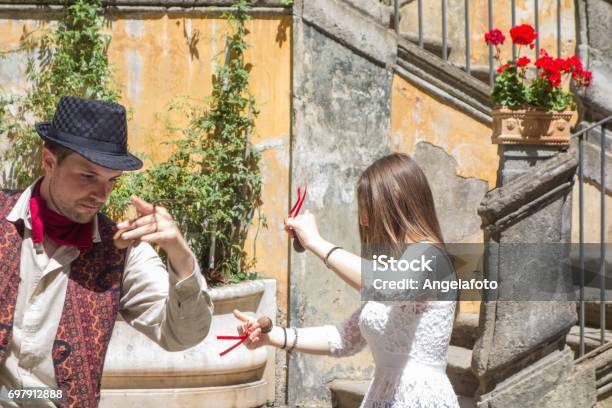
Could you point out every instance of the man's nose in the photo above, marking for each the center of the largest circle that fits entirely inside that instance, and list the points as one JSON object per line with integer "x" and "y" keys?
{"x": 103, "y": 191}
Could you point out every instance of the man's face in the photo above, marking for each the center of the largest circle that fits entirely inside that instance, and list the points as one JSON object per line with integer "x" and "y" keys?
{"x": 78, "y": 187}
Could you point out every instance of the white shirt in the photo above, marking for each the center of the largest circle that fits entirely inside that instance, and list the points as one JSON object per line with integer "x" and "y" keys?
{"x": 175, "y": 314}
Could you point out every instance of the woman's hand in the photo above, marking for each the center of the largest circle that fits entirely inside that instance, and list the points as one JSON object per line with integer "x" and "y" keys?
{"x": 249, "y": 325}
{"x": 305, "y": 227}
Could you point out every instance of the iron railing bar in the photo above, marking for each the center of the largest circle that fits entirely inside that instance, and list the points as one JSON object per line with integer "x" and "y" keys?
{"x": 490, "y": 3}
{"x": 602, "y": 243}
{"x": 594, "y": 125}
{"x": 444, "y": 33}
{"x": 468, "y": 67}
{"x": 513, "y": 25}
{"x": 420, "y": 15}
{"x": 581, "y": 236}
{"x": 559, "y": 28}
{"x": 581, "y": 135}
{"x": 396, "y": 16}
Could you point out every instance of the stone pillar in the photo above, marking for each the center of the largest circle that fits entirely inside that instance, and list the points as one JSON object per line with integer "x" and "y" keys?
{"x": 521, "y": 358}
{"x": 516, "y": 159}
{"x": 342, "y": 82}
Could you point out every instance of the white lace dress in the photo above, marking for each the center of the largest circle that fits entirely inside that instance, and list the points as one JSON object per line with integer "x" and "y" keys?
{"x": 409, "y": 342}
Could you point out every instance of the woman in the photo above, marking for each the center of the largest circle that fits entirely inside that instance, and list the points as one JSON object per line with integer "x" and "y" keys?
{"x": 409, "y": 339}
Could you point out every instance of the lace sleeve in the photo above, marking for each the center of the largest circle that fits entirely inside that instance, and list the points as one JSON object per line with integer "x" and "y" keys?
{"x": 345, "y": 339}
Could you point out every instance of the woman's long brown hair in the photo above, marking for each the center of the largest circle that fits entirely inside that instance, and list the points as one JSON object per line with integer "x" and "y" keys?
{"x": 394, "y": 197}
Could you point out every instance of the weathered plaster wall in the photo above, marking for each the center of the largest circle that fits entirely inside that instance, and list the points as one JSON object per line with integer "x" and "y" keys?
{"x": 342, "y": 110}
{"x": 596, "y": 50}
{"x": 417, "y": 116}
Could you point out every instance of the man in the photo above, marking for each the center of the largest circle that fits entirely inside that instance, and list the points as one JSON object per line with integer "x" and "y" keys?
{"x": 62, "y": 279}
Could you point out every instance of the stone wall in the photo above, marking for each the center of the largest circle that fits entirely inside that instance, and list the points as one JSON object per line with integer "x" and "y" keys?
{"x": 594, "y": 21}
{"x": 341, "y": 123}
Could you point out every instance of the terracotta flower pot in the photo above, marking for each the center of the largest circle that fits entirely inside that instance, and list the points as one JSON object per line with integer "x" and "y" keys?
{"x": 531, "y": 126}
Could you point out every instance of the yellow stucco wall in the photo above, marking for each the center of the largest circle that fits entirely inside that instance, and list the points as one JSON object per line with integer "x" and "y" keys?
{"x": 417, "y": 116}
{"x": 155, "y": 66}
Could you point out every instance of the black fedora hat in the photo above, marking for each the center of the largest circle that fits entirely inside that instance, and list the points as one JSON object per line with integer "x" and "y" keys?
{"x": 96, "y": 130}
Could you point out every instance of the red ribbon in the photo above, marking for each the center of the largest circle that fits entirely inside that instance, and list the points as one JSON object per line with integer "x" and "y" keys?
{"x": 241, "y": 338}
{"x": 295, "y": 209}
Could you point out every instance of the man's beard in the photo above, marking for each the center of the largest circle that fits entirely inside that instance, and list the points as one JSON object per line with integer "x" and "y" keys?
{"x": 83, "y": 219}
{"x": 76, "y": 216}
{"x": 70, "y": 213}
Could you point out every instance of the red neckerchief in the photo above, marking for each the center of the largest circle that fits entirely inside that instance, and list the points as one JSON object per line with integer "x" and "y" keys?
{"x": 57, "y": 227}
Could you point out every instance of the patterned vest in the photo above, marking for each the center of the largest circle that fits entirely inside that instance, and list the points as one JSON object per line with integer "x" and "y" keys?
{"x": 90, "y": 308}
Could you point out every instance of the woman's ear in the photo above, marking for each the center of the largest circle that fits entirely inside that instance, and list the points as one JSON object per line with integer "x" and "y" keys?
{"x": 363, "y": 220}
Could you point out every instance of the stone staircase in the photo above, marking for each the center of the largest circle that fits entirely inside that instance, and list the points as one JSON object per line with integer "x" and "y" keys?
{"x": 592, "y": 332}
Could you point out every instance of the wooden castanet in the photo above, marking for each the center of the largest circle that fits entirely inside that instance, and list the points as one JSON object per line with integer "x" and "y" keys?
{"x": 119, "y": 242}
{"x": 265, "y": 323}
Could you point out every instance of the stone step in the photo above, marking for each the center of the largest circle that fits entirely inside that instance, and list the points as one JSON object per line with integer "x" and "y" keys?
{"x": 349, "y": 393}
{"x": 459, "y": 371}
{"x": 592, "y": 311}
{"x": 431, "y": 44}
{"x": 594, "y": 135}
{"x": 592, "y": 337}
{"x": 465, "y": 330}
{"x": 478, "y": 71}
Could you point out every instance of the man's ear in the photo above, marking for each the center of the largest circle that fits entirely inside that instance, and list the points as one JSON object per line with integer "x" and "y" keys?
{"x": 49, "y": 161}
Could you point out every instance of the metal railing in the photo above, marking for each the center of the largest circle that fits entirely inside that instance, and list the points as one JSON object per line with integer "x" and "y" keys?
{"x": 602, "y": 252}
{"x": 468, "y": 61}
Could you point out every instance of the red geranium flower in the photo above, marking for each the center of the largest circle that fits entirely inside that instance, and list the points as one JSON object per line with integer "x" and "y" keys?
{"x": 551, "y": 68}
{"x": 574, "y": 65}
{"x": 552, "y": 72}
{"x": 544, "y": 61}
{"x": 554, "y": 77}
{"x": 494, "y": 37}
{"x": 585, "y": 78}
{"x": 559, "y": 64}
{"x": 523, "y": 34}
{"x": 523, "y": 61}
{"x": 502, "y": 68}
